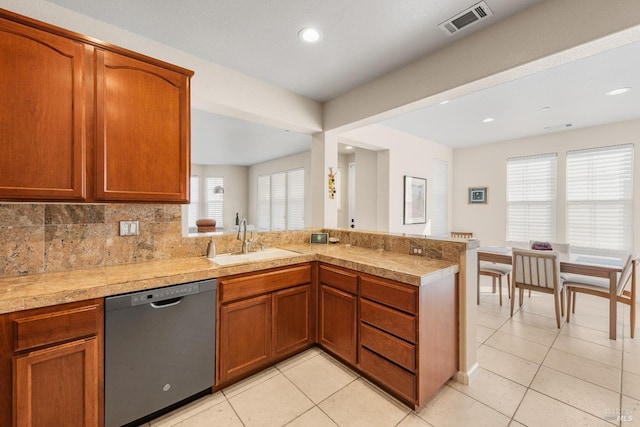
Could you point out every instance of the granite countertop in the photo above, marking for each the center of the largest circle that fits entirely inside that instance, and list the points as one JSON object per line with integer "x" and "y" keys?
{"x": 39, "y": 290}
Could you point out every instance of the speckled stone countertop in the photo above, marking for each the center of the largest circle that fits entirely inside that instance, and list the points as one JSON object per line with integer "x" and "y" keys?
{"x": 39, "y": 290}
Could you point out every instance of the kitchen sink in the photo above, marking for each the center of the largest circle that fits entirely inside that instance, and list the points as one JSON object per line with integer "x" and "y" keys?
{"x": 240, "y": 258}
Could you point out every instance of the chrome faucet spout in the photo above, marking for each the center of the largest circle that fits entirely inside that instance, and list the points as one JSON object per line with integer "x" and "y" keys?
{"x": 245, "y": 243}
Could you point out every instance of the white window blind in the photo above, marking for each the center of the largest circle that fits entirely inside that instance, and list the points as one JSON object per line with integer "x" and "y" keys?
{"x": 194, "y": 204}
{"x": 439, "y": 198}
{"x": 214, "y": 202}
{"x": 278, "y": 201}
{"x": 600, "y": 198}
{"x": 264, "y": 202}
{"x": 295, "y": 199}
{"x": 531, "y": 198}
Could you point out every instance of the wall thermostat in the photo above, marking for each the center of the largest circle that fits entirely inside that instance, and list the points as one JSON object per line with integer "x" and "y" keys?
{"x": 319, "y": 238}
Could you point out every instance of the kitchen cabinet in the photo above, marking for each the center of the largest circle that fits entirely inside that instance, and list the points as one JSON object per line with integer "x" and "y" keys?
{"x": 263, "y": 318}
{"x": 408, "y": 336}
{"x": 338, "y": 312}
{"x": 54, "y": 356}
{"x": 43, "y": 125}
{"x": 86, "y": 121}
{"x": 142, "y": 130}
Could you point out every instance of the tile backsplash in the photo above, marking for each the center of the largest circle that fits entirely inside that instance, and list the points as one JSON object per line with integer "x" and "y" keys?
{"x": 43, "y": 238}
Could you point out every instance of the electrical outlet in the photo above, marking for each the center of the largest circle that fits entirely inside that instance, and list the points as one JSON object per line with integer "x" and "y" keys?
{"x": 129, "y": 228}
{"x": 416, "y": 250}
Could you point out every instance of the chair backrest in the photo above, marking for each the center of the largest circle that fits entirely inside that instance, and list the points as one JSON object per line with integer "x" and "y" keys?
{"x": 461, "y": 235}
{"x": 628, "y": 271}
{"x": 562, "y": 248}
{"x": 536, "y": 268}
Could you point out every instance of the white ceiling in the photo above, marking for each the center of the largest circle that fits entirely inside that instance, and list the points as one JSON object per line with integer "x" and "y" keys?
{"x": 362, "y": 40}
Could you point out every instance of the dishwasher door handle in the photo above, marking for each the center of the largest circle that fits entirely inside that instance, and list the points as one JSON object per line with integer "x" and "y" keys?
{"x": 166, "y": 303}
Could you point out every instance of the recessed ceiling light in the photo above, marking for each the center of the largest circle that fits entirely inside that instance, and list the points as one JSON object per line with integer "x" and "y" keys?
{"x": 309, "y": 35}
{"x": 488, "y": 120}
{"x": 545, "y": 109}
{"x": 348, "y": 147}
{"x": 619, "y": 91}
{"x": 446, "y": 101}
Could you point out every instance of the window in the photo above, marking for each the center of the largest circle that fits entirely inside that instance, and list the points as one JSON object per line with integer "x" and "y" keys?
{"x": 295, "y": 199}
{"x": 215, "y": 200}
{"x": 531, "y": 198}
{"x": 205, "y": 205}
{"x": 281, "y": 200}
{"x": 599, "y": 198}
{"x": 439, "y": 198}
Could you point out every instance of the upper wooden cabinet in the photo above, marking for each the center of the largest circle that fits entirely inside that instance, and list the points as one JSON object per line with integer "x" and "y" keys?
{"x": 43, "y": 127}
{"x": 142, "y": 118}
{"x": 85, "y": 121}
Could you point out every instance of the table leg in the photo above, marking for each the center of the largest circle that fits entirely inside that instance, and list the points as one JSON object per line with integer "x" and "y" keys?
{"x": 613, "y": 305}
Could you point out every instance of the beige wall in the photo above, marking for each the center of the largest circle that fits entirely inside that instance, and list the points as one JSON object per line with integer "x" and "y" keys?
{"x": 486, "y": 166}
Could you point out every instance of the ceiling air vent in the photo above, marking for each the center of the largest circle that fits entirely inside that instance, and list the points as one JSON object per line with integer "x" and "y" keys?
{"x": 465, "y": 18}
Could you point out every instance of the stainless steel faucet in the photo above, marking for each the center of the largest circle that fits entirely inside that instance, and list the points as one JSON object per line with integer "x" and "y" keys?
{"x": 245, "y": 241}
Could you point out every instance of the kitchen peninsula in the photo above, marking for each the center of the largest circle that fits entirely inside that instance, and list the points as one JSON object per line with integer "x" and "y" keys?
{"x": 392, "y": 287}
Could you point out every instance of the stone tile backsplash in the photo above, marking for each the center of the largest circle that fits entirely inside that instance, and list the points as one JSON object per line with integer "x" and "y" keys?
{"x": 43, "y": 238}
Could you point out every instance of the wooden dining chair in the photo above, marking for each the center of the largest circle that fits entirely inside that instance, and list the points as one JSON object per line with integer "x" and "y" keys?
{"x": 461, "y": 235}
{"x": 537, "y": 271}
{"x": 576, "y": 283}
{"x": 496, "y": 272}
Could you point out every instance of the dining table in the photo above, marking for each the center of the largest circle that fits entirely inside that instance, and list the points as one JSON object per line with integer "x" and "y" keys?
{"x": 603, "y": 267}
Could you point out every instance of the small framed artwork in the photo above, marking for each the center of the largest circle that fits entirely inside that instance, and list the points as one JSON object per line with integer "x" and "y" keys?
{"x": 478, "y": 195}
{"x": 415, "y": 200}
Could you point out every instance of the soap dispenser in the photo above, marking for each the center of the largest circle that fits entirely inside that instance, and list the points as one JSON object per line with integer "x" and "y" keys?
{"x": 237, "y": 219}
{"x": 211, "y": 249}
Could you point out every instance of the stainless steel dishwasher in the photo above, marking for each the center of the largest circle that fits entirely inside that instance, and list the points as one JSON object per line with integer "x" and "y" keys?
{"x": 159, "y": 349}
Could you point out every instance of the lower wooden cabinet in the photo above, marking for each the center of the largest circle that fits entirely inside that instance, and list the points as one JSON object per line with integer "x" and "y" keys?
{"x": 291, "y": 310}
{"x": 245, "y": 336}
{"x": 52, "y": 360}
{"x": 338, "y": 312}
{"x": 263, "y": 318}
{"x": 57, "y": 386}
{"x": 338, "y": 323}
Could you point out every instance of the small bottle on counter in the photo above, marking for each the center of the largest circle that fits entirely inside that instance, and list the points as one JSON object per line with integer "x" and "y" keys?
{"x": 237, "y": 219}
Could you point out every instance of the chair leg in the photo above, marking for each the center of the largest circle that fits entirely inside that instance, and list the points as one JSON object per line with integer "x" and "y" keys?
{"x": 513, "y": 300}
{"x": 556, "y": 299}
{"x": 633, "y": 317}
{"x": 493, "y": 284}
{"x": 568, "y": 304}
{"x": 521, "y": 296}
{"x": 500, "y": 286}
{"x": 509, "y": 285}
{"x": 478, "y": 293}
{"x": 562, "y": 302}
{"x": 574, "y": 302}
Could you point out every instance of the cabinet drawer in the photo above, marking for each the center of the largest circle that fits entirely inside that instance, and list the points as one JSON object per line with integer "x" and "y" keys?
{"x": 395, "y": 322}
{"x": 397, "y": 295}
{"x": 339, "y": 278}
{"x": 235, "y": 288}
{"x": 51, "y": 328}
{"x": 398, "y": 351}
{"x": 392, "y": 376}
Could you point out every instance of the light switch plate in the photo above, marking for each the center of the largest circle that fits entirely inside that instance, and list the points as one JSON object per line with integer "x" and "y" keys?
{"x": 129, "y": 228}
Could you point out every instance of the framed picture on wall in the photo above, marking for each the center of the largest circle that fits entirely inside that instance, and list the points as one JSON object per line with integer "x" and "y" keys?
{"x": 415, "y": 200}
{"x": 478, "y": 195}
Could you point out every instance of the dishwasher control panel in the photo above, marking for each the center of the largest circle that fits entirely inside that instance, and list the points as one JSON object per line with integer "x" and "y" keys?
{"x": 157, "y": 295}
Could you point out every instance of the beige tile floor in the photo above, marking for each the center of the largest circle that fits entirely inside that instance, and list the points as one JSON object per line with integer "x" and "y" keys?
{"x": 531, "y": 374}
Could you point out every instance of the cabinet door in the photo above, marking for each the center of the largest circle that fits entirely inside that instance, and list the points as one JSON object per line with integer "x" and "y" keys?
{"x": 245, "y": 336}
{"x": 338, "y": 316}
{"x": 142, "y": 131}
{"x": 42, "y": 114}
{"x": 291, "y": 320}
{"x": 57, "y": 386}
